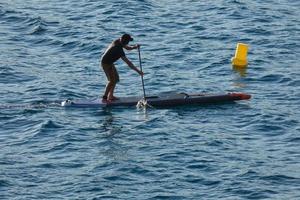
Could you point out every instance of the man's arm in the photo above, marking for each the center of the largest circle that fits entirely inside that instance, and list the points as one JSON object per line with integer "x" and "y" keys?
{"x": 129, "y": 63}
{"x": 127, "y": 47}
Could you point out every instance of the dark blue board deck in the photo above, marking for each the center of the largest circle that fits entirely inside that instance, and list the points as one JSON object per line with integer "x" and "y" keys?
{"x": 161, "y": 100}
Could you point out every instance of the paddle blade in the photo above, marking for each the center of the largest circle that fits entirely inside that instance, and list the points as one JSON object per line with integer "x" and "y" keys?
{"x": 141, "y": 104}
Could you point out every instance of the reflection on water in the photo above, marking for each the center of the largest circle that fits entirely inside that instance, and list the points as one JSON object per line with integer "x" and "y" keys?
{"x": 109, "y": 139}
{"x": 242, "y": 71}
{"x": 114, "y": 122}
{"x": 108, "y": 125}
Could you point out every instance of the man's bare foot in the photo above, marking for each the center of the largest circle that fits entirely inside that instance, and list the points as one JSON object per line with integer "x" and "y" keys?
{"x": 105, "y": 100}
{"x": 113, "y": 98}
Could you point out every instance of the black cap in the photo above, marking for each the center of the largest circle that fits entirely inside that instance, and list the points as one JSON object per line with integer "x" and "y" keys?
{"x": 126, "y": 38}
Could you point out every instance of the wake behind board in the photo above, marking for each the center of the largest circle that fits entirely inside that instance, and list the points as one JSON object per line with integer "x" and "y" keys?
{"x": 161, "y": 100}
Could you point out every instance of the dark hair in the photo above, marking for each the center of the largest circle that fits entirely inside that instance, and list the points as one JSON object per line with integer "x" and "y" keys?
{"x": 126, "y": 38}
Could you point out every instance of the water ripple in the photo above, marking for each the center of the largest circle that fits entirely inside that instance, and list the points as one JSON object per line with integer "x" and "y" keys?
{"x": 50, "y": 51}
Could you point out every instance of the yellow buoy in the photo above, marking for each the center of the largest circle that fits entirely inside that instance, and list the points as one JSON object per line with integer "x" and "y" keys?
{"x": 240, "y": 57}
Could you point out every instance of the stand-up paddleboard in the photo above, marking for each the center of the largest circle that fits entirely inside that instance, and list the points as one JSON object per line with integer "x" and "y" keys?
{"x": 161, "y": 100}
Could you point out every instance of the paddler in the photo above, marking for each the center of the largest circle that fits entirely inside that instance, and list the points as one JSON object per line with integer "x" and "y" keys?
{"x": 110, "y": 56}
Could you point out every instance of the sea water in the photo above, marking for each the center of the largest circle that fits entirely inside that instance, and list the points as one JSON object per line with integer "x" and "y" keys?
{"x": 50, "y": 51}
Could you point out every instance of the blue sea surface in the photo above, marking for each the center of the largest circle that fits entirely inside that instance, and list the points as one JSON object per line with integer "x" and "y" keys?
{"x": 50, "y": 51}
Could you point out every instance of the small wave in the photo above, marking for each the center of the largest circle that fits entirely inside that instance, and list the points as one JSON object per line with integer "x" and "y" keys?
{"x": 46, "y": 166}
{"x": 24, "y": 21}
{"x": 67, "y": 93}
{"x": 165, "y": 196}
{"x": 197, "y": 166}
{"x": 8, "y": 75}
{"x": 258, "y": 31}
{"x": 50, "y": 125}
{"x": 272, "y": 78}
{"x": 71, "y": 44}
{"x": 4, "y": 183}
{"x": 295, "y": 140}
{"x": 237, "y": 2}
{"x": 30, "y": 106}
{"x": 249, "y": 173}
{"x": 281, "y": 179}
{"x": 294, "y": 83}
{"x": 215, "y": 143}
{"x": 271, "y": 130}
{"x": 255, "y": 194}
{"x": 58, "y": 147}
{"x": 12, "y": 16}
{"x": 36, "y": 25}
{"x": 285, "y": 80}
{"x": 37, "y": 30}
{"x": 45, "y": 129}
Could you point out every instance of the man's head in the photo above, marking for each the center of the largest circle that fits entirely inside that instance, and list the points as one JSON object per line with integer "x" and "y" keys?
{"x": 126, "y": 38}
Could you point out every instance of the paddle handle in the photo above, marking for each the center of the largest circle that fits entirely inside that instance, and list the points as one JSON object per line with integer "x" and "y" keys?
{"x": 142, "y": 71}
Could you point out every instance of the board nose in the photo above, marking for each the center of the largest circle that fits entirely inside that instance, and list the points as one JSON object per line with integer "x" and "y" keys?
{"x": 242, "y": 96}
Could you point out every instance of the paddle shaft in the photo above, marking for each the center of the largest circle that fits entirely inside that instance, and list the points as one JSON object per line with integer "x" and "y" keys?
{"x": 142, "y": 70}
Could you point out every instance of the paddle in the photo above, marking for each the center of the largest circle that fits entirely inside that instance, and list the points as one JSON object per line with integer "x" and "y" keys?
{"x": 142, "y": 70}
{"x": 143, "y": 102}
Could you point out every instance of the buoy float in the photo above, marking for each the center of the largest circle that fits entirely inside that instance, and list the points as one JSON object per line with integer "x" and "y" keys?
{"x": 240, "y": 57}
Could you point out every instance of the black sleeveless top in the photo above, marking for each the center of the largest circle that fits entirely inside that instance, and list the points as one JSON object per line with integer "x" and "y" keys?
{"x": 113, "y": 52}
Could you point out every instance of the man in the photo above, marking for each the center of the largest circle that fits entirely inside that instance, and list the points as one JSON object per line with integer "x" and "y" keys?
{"x": 111, "y": 55}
